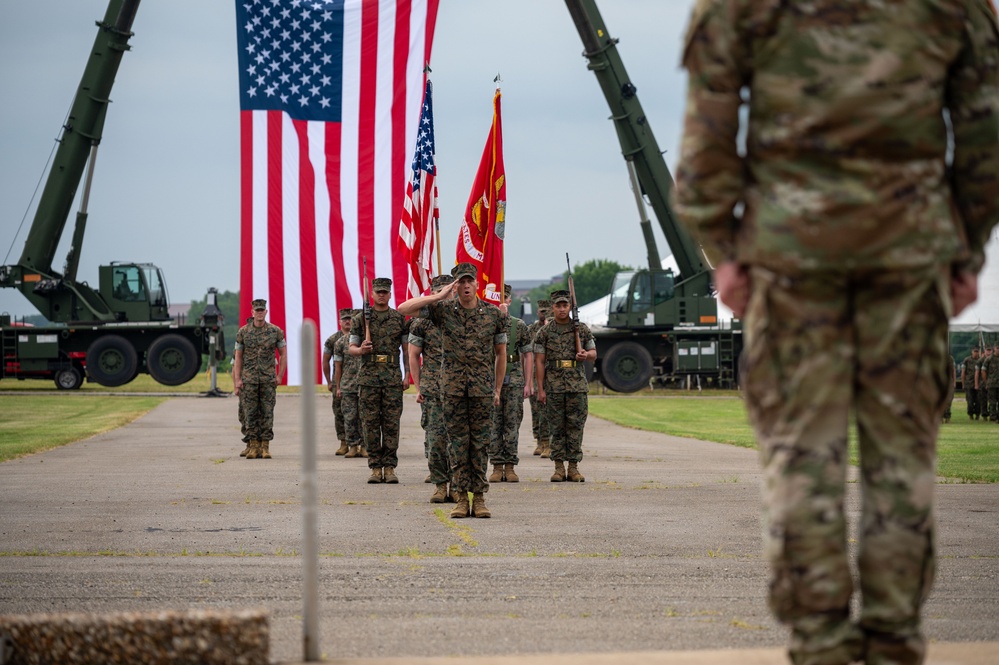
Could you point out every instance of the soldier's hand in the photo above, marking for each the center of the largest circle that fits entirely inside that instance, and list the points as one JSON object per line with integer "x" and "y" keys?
{"x": 732, "y": 282}
{"x": 528, "y": 390}
{"x": 237, "y": 386}
{"x": 329, "y": 386}
{"x": 496, "y": 396}
{"x": 963, "y": 290}
{"x": 542, "y": 397}
{"x": 419, "y": 397}
{"x": 367, "y": 346}
{"x": 339, "y": 393}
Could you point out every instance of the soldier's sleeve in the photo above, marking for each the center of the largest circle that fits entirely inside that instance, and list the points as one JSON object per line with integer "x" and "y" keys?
{"x": 280, "y": 338}
{"x": 356, "y": 329}
{"x": 973, "y": 101}
{"x": 239, "y": 340}
{"x": 500, "y": 335}
{"x": 586, "y": 337}
{"x": 416, "y": 332}
{"x": 539, "y": 341}
{"x": 710, "y": 180}
{"x": 524, "y": 344}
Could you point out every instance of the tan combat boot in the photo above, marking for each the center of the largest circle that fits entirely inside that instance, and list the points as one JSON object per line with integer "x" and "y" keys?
{"x": 363, "y": 450}
{"x": 461, "y": 509}
{"x": 390, "y": 476}
{"x": 246, "y": 450}
{"x": 479, "y": 505}
{"x": 546, "y": 450}
{"x": 429, "y": 478}
{"x": 573, "y": 475}
{"x": 538, "y": 446}
{"x": 559, "y": 475}
{"x": 253, "y": 450}
{"x": 352, "y": 451}
{"x": 440, "y": 496}
{"x": 376, "y": 476}
{"x": 265, "y": 450}
{"x": 497, "y": 475}
{"x": 342, "y": 450}
{"x": 454, "y": 495}
{"x": 510, "y": 475}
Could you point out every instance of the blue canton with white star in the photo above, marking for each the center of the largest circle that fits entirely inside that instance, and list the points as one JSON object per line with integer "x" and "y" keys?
{"x": 423, "y": 159}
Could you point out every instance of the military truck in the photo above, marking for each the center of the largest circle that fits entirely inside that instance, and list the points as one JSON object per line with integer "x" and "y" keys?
{"x": 123, "y": 327}
{"x": 662, "y": 326}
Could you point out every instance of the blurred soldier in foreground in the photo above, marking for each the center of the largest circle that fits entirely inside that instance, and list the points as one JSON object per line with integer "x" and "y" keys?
{"x": 845, "y": 231}
{"x": 328, "y": 351}
{"x": 542, "y": 438}
{"x": 518, "y": 385}
{"x": 255, "y": 379}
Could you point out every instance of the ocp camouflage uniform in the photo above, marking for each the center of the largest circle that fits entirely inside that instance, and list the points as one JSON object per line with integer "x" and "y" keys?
{"x": 969, "y": 367}
{"x": 565, "y": 387}
{"x": 259, "y": 392}
{"x": 380, "y": 385}
{"x": 510, "y": 412}
{"x": 425, "y": 335}
{"x": 341, "y": 430}
{"x": 350, "y": 367}
{"x": 853, "y": 219}
{"x": 467, "y": 384}
{"x": 539, "y": 428}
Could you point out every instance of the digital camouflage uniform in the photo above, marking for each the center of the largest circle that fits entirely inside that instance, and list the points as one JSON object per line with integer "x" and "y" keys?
{"x": 565, "y": 387}
{"x": 467, "y": 384}
{"x": 341, "y": 430}
{"x": 538, "y": 426}
{"x": 969, "y": 366}
{"x": 983, "y": 387}
{"x": 349, "y": 368}
{"x": 380, "y": 385}
{"x": 992, "y": 386}
{"x": 259, "y": 392}
{"x": 851, "y": 224}
{"x": 510, "y": 412}
{"x": 951, "y": 371}
{"x": 427, "y": 337}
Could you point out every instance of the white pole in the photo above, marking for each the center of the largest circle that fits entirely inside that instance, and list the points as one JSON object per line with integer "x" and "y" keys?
{"x": 310, "y": 527}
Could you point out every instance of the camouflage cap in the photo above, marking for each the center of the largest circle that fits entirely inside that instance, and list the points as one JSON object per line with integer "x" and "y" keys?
{"x": 561, "y": 295}
{"x": 346, "y": 313}
{"x": 544, "y": 304}
{"x": 440, "y": 281}
{"x": 381, "y": 284}
{"x": 259, "y": 303}
{"x": 507, "y": 290}
{"x": 464, "y": 270}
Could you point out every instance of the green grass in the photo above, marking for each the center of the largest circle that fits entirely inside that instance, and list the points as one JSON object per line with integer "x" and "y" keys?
{"x": 966, "y": 450}
{"x": 32, "y": 423}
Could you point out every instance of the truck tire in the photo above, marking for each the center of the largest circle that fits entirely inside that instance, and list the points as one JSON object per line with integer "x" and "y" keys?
{"x": 172, "y": 360}
{"x": 112, "y": 361}
{"x": 68, "y": 378}
{"x": 626, "y": 367}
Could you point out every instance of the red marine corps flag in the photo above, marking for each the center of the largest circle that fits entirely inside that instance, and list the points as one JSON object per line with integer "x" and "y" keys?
{"x": 420, "y": 213}
{"x": 480, "y": 239}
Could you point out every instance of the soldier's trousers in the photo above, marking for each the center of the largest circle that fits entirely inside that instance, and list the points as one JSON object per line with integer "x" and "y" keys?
{"x": 257, "y": 400}
{"x": 993, "y": 393}
{"x": 818, "y": 346}
{"x": 242, "y": 419}
{"x": 506, "y": 426}
{"x": 435, "y": 440}
{"x": 566, "y": 416}
{"x": 983, "y": 403}
{"x": 468, "y": 421}
{"x": 381, "y": 409}
{"x": 539, "y": 428}
{"x": 971, "y": 395}
{"x": 341, "y": 428}
{"x": 351, "y": 419}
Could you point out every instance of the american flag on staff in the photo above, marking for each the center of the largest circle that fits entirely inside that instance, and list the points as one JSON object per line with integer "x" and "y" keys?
{"x": 330, "y": 94}
{"x": 420, "y": 214}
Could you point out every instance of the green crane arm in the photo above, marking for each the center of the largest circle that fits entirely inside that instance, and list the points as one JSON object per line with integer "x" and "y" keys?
{"x": 638, "y": 144}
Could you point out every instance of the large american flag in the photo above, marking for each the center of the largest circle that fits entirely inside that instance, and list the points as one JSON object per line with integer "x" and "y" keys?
{"x": 330, "y": 94}
{"x": 420, "y": 214}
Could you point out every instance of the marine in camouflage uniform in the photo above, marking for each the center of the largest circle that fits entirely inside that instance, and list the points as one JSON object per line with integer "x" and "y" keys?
{"x": 328, "y": 350}
{"x": 968, "y": 370}
{"x": 981, "y": 384}
{"x": 991, "y": 371}
{"x": 846, "y": 233}
{"x": 559, "y": 366}
{"x": 952, "y": 374}
{"x": 518, "y": 385}
{"x": 474, "y": 341}
{"x": 345, "y": 370}
{"x": 380, "y": 387}
{"x": 426, "y": 339}
{"x": 539, "y": 428}
{"x": 255, "y": 378}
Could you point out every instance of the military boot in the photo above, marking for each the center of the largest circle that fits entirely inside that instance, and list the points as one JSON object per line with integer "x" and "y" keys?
{"x": 253, "y": 450}
{"x": 363, "y": 450}
{"x": 440, "y": 496}
{"x": 429, "y": 478}
{"x": 497, "y": 475}
{"x": 546, "y": 450}
{"x": 246, "y": 450}
{"x": 454, "y": 495}
{"x": 510, "y": 475}
{"x": 461, "y": 509}
{"x": 559, "y": 475}
{"x": 343, "y": 449}
{"x": 479, "y": 505}
{"x": 376, "y": 476}
{"x": 390, "y": 476}
{"x": 352, "y": 451}
{"x": 265, "y": 450}
{"x": 538, "y": 446}
{"x": 573, "y": 475}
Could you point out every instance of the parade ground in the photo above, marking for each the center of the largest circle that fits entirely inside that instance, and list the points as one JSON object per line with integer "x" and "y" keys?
{"x": 658, "y": 552}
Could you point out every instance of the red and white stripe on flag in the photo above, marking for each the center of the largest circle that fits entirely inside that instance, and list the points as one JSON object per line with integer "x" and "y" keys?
{"x": 420, "y": 212}
{"x": 330, "y": 94}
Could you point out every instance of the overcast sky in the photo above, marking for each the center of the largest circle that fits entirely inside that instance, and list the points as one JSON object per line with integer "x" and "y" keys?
{"x": 166, "y": 185}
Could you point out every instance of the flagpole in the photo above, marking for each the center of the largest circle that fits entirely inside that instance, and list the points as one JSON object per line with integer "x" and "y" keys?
{"x": 502, "y": 271}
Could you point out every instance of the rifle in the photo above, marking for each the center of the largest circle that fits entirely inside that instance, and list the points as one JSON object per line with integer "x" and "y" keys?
{"x": 573, "y": 304}
{"x": 367, "y": 303}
